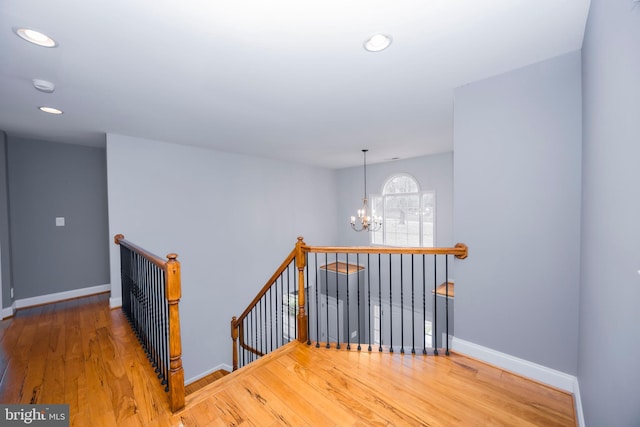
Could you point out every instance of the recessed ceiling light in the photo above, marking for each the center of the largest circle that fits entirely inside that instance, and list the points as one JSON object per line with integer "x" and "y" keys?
{"x": 377, "y": 42}
{"x": 50, "y": 110}
{"x": 35, "y": 37}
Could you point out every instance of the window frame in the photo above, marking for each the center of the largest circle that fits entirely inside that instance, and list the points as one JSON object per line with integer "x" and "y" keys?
{"x": 421, "y": 194}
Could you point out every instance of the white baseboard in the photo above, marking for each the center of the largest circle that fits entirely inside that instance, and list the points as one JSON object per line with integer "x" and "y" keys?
{"x": 210, "y": 371}
{"x": 525, "y": 368}
{"x": 115, "y": 302}
{"x": 60, "y": 296}
{"x": 578, "y": 402}
{"x": 7, "y": 312}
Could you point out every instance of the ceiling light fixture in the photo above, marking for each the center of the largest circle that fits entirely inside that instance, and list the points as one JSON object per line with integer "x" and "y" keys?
{"x": 44, "y": 85}
{"x": 377, "y": 42}
{"x": 50, "y": 110}
{"x": 366, "y": 222}
{"x": 35, "y": 37}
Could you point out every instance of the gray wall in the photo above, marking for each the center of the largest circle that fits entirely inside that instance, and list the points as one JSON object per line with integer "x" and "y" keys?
{"x": 517, "y": 179}
{"x": 608, "y": 367}
{"x": 49, "y": 180}
{"x": 5, "y": 249}
{"x": 432, "y": 172}
{"x": 232, "y": 219}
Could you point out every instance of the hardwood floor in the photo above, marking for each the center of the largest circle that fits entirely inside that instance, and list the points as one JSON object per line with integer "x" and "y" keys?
{"x": 81, "y": 353}
{"x": 203, "y": 382}
{"x": 303, "y": 386}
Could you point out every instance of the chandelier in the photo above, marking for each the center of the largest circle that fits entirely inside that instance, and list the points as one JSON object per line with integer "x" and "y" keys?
{"x": 366, "y": 221}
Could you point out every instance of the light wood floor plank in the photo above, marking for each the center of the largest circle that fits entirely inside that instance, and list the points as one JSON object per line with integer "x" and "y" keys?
{"x": 81, "y": 353}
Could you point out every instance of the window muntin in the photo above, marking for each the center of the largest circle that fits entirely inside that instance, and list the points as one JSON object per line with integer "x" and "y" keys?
{"x": 408, "y": 214}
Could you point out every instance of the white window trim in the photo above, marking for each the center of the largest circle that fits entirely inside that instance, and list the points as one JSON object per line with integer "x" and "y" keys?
{"x": 421, "y": 193}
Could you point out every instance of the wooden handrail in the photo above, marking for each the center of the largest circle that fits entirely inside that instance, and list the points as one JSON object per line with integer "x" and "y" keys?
{"x": 267, "y": 285}
{"x": 460, "y": 250}
{"x": 236, "y": 322}
{"x": 155, "y": 259}
{"x": 173, "y": 292}
{"x": 299, "y": 254}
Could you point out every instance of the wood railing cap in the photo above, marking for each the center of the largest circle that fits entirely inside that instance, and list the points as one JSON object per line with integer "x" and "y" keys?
{"x": 466, "y": 250}
{"x": 117, "y": 238}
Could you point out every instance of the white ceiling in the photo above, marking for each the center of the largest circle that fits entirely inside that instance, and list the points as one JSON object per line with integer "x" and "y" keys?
{"x": 286, "y": 79}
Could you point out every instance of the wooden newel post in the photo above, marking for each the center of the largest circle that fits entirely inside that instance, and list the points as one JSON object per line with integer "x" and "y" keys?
{"x": 301, "y": 262}
{"x": 176, "y": 373}
{"x": 234, "y": 337}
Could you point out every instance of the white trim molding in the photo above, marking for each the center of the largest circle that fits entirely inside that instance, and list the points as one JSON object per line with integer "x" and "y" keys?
{"x": 210, "y": 371}
{"x": 115, "y": 302}
{"x": 8, "y": 312}
{"x": 525, "y": 368}
{"x": 60, "y": 296}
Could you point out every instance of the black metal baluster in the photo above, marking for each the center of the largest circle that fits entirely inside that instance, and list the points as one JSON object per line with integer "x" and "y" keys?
{"x": 413, "y": 317}
{"x": 254, "y": 341}
{"x": 154, "y": 321}
{"x": 358, "y": 284}
{"x": 401, "y": 304}
{"x": 424, "y": 306}
{"x": 147, "y": 308}
{"x": 326, "y": 282}
{"x": 138, "y": 302}
{"x": 337, "y": 304}
{"x": 434, "y": 329}
{"x": 348, "y": 312}
{"x": 446, "y": 305}
{"x": 270, "y": 318}
{"x": 262, "y": 321}
{"x": 153, "y": 299}
{"x": 369, "y": 302}
{"x": 256, "y": 320}
{"x": 162, "y": 331}
{"x": 249, "y": 332}
{"x": 241, "y": 350}
{"x": 258, "y": 328}
{"x": 317, "y": 310}
{"x": 390, "y": 308}
{"x": 145, "y": 296}
{"x": 379, "y": 303}
{"x": 295, "y": 300}
{"x": 165, "y": 325}
{"x": 288, "y": 306}
{"x": 131, "y": 295}
{"x": 280, "y": 309}
{"x": 307, "y": 303}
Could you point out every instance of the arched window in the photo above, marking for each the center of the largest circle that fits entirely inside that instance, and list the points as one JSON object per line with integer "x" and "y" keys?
{"x": 408, "y": 214}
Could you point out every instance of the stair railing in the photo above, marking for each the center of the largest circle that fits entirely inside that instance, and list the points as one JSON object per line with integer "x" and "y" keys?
{"x": 390, "y": 299}
{"x": 150, "y": 296}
